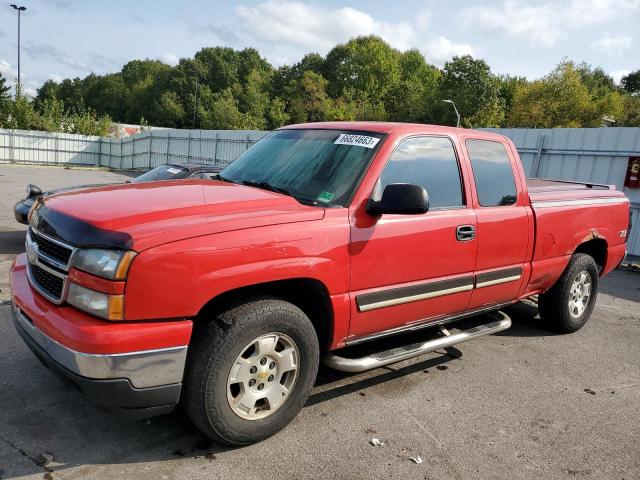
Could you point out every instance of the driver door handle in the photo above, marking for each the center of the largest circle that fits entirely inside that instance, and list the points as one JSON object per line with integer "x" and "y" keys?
{"x": 464, "y": 233}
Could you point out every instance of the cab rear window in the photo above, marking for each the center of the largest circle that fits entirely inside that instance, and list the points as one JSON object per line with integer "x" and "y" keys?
{"x": 492, "y": 172}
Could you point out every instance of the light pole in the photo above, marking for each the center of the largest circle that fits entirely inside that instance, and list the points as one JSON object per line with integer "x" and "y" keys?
{"x": 455, "y": 109}
{"x": 20, "y": 10}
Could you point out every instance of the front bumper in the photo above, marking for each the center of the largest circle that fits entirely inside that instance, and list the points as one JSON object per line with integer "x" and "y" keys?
{"x": 147, "y": 380}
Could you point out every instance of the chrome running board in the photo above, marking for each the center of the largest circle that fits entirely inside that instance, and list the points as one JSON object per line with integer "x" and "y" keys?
{"x": 386, "y": 357}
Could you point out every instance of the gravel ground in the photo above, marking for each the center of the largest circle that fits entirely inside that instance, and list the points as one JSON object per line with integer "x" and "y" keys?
{"x": 519, "y": 405}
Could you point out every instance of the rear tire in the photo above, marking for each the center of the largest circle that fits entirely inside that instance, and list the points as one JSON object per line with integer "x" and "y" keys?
{"x": 250, "y": 371}
{"x": 567, "y": 306}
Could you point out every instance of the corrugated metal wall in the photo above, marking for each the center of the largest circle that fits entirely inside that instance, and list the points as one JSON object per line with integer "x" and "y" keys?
{"x": 599, "y": 155}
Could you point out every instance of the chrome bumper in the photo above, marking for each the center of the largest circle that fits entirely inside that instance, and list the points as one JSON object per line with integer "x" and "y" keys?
{"x": 143, "y": 369}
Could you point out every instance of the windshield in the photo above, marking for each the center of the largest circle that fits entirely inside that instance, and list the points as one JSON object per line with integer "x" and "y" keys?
{"x": 163, "y": 172}
{"x": 318, "y": 167}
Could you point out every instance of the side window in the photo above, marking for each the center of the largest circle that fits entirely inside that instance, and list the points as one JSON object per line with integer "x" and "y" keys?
{"x": 492, "y": 172}
{"x": 427, "y": 161}
{"x": 195, "y": 175}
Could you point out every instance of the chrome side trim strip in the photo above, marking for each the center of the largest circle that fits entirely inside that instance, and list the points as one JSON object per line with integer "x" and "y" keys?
{"x": 425, "y": 323}
{"x": 496, "y": 277}
{"x": 413, "y": 293}
{"x": 497, "y": 281}
{"x": 414, "y": 298}
{"x": 147, "y": 368}
{"x": 586, "y": 201}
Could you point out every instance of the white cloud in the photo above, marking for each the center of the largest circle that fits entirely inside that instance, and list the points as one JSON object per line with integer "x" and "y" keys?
{"x": 8, "y": 71}
{"x": 543, "y": 24}
{"x": 612, "y": 46}
{"x": 170, "y": 59}
{"x": 55, "y": 77}
{"x": 441, "y": 49}
{"x": 618, "y": 74}
{"x": 318, "y": 28}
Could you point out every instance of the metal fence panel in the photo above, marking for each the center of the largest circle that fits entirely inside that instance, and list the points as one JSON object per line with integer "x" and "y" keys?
{"x": 141, "y": 151}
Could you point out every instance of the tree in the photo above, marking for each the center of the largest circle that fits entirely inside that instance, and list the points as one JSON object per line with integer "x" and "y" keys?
{"x": 631, "y": 83}
{"x": 558, "y": 100}
{"x": 630, "y": 111}
{"x": 167, "y": 110}
{"x": 277, "y": 115}
{"x": 596, "y": 79}
{"x": 367, "y": 66}
{"x": 507, "y": 85}
{"x": 475, "y": 91}
{"x": 5, "y": 102}
{"x": 308, "y": 98}
{"x": 414, "y": 97}
{"x": 223, "y": 113}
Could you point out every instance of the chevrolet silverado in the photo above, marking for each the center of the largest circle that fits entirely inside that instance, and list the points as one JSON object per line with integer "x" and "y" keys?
{"x": 225, "y": 295}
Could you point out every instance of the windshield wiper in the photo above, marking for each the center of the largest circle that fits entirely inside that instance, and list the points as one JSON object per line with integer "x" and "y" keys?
{"x": 273, "y": 188}
{"x": 223, "y": 179}
{"x": 267, "y": 186}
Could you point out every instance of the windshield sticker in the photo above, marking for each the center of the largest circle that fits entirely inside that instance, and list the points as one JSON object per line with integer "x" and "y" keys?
{"x": 173, "y": 170}
{"x": 326, "y": 196}
{"x": 357, "y": 140}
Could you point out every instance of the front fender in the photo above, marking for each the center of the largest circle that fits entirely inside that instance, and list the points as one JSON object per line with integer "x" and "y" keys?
{"x": 178, "y": 279}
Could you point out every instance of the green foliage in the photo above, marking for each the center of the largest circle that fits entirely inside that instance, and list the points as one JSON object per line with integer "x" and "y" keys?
{"x": 366, "y": 65}
{"x": 362, "y": 79}
{"x": 569, "y": 96}
{"x": 5, "y": 102}
{"x": 50, "y": 115}
{"x": 631, "y": 82}
{"x": 476, "y": 92}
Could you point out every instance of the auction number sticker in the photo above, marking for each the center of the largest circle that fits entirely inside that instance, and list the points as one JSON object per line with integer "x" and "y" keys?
{"x": 357, "y": 140}
{"x": 173, "y": 170}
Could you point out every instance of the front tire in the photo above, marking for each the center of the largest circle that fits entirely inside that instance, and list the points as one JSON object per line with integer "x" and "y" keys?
{"x": 567, "y": 306}
{"x": 250, "y": 371}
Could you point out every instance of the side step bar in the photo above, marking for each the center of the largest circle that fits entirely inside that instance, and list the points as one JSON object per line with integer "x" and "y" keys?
{"x": 380, "y": 359}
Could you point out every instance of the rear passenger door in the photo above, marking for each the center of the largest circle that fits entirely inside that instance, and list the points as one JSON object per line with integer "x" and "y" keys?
{"x": 503, "y": 223}
{"x": 413, "y": 268}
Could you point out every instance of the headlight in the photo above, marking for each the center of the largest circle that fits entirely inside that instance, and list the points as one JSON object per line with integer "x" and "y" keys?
{"x": 109, "y": 307}
{"x": 111, "y": 264}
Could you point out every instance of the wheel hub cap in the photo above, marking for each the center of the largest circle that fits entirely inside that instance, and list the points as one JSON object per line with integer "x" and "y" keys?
{"x": 580, "y": 294}
{"x": 262, "y": 376}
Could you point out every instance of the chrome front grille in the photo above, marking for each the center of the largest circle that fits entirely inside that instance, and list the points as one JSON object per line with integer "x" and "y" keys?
{"x": 49, "y": 261}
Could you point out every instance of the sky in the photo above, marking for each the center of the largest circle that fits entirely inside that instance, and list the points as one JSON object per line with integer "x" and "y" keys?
{"x": 69, "y": 38}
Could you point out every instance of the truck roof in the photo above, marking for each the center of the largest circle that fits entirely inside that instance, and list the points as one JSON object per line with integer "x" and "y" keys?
{"x": 391, "y": 127}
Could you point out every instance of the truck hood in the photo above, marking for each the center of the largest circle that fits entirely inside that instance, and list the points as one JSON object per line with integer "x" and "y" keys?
{"x": 140, "y": 216}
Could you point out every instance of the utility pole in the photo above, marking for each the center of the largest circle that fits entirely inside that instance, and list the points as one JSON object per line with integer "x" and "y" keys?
{"x": 20, "y": 10}
{"x": 455, "y": 110}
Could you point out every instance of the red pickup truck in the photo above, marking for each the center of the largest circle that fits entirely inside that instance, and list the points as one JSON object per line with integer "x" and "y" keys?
{"x": 225, "y": 294}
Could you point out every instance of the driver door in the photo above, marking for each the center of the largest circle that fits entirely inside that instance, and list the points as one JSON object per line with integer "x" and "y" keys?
{"x": 414, "y": 268}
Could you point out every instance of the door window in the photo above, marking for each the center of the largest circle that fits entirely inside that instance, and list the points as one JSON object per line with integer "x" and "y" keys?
{"x": 492, "y": 172}
{"x": 430, "y": 162}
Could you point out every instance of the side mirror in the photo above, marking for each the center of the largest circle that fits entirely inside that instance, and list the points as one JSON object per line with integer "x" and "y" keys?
{"x": 33, "y": 191}
{"x": 400, "y": 198}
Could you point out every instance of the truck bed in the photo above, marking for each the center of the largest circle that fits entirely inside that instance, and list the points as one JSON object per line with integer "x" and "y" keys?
{"x": 545, "y": 190}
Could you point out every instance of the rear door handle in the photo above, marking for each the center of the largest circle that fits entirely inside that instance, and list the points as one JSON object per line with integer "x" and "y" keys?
{"x": 464, "y": 233}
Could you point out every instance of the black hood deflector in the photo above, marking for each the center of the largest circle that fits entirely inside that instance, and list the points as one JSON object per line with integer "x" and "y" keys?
{"x": 77, "y": 232}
